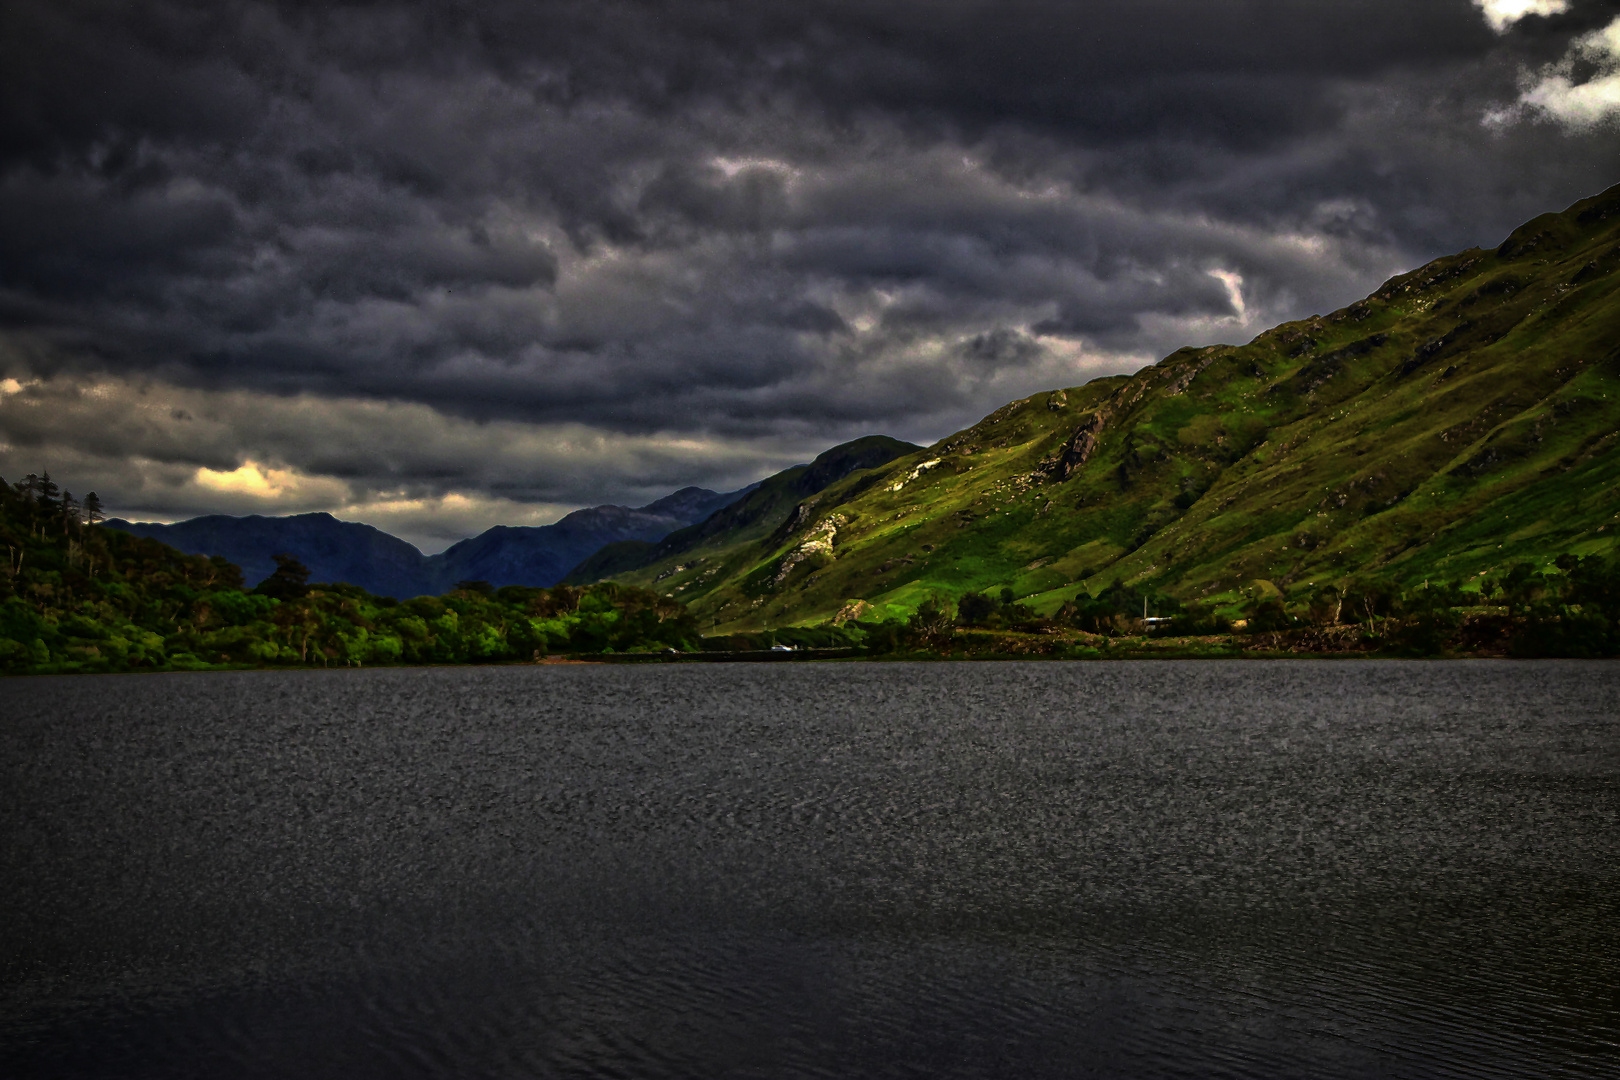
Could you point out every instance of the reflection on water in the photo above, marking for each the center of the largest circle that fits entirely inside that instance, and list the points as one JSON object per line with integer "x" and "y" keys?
{"x": 1089, "y": 870}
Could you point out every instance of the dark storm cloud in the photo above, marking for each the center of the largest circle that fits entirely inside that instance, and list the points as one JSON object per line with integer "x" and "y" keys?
{"x": 767, "y": 224}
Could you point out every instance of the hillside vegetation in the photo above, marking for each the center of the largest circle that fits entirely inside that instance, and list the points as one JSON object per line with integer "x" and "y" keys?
{"x": 752, "y": 517}
{"x": 1456, "y": 430}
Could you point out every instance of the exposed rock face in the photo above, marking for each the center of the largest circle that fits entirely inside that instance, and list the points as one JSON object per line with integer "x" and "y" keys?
{"x": 1078, "y": 450}
{"x": 851, "y": 611}
{"x": 800, "y": 515}
{"x": 918, "y": 471}
{"x": 818, "y": 542}
{"x": 1083, "y": 443}
{"x": 1182, "y": 377}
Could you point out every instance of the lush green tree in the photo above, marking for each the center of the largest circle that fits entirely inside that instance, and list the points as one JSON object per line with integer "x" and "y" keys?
{"x": 1267, "y": 614}
{"x": 1325, "y": 605}
{"x": 289, "y": 580}
{"x": 931, "y": 623}
{"x": 975, "y": 609}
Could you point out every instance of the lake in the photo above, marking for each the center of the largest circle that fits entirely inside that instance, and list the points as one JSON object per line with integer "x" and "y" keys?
{"x": 1161, "y": 869}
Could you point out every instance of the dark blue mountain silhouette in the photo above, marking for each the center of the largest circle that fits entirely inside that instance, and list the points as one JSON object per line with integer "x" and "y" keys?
{"x": 388, "y": 566}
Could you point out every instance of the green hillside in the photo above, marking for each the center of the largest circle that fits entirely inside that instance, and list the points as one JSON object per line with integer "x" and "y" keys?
{"x": 753, "y": 517}
{"x": 1460, "y": 421}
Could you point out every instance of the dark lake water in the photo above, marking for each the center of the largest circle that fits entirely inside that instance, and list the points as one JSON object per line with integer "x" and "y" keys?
{"x": 1295, "y": 869}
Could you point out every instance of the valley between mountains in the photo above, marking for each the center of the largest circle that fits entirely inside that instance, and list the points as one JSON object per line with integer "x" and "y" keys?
{"x": 1432, "y": 470}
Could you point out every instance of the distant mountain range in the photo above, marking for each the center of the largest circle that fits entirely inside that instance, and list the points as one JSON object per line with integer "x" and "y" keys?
{"x": 543, "y": 555}
{"x": 388, "y": 566}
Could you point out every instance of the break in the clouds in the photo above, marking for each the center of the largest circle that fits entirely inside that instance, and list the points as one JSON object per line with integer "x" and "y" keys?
{"x": 437, "y": 265}
{"x": 1580, "y": 91}
{"x": 1502, "y": 14}
{"x": 415, "y": 471}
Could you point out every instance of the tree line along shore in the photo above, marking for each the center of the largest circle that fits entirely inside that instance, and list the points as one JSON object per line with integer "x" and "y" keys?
{"x": 78, "y": 598}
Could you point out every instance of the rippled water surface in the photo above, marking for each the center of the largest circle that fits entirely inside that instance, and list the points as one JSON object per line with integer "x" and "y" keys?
{"x": 845, "y": 870}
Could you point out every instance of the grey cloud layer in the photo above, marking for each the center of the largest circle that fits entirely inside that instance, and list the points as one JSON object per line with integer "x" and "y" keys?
{"x": 762, "y": 224}
{"x": 166, "y": 451}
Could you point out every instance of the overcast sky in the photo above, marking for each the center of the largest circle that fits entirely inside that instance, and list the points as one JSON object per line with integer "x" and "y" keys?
{"x": 437, "y": 266}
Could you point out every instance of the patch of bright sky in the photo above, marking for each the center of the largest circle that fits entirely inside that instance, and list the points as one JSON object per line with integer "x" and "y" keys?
{"x": 1554, "y": 94}
{"x": 731, "y": 167}
{"x": 1502, "y": 14}
{"x": 258, "y": 481}
{"x": 1586, "y": 104}
{"x": 431, "y": 523}
{"x": 1234, "y": 292}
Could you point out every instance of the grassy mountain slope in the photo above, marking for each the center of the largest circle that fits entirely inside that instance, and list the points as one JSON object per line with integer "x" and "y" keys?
{"x": 750, "y": 518}
{"x": 1461, "y": 418}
